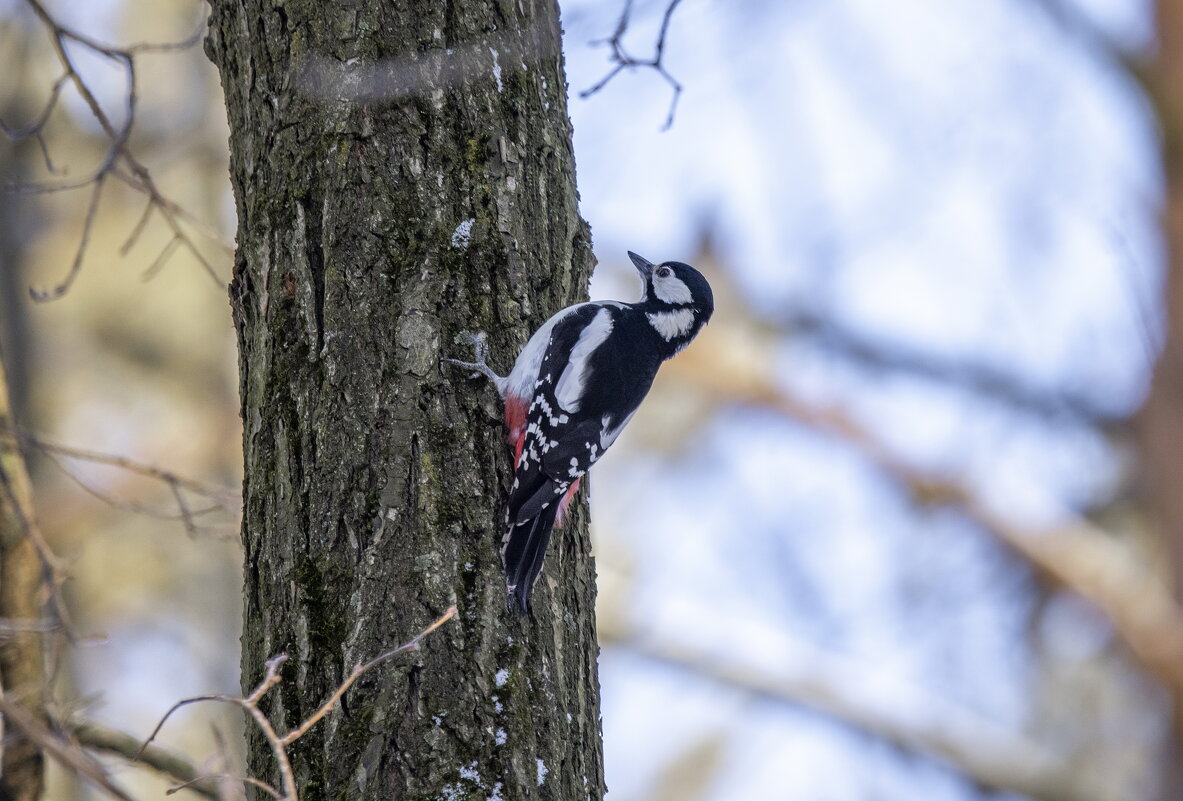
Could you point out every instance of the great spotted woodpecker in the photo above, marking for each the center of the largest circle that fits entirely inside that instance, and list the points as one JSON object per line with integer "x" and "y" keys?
{"x": 573, "y": 388}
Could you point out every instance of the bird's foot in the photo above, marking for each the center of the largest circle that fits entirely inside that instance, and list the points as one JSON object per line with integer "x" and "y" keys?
{"x": 479, "y": 366}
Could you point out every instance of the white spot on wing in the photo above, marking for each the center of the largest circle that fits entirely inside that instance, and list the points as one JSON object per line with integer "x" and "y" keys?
{"x": 672, "y": 324}
{"x": 569, "y": 390}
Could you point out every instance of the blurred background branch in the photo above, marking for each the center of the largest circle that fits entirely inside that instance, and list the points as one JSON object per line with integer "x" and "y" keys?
{"x": 119, "y": 162}
{"x": 991, "y": 757}
{"x": 1076, "y": 555}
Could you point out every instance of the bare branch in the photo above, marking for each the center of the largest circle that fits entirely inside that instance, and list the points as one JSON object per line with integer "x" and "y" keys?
{"x": 161, "y": 259}
{"x": 92, "y": 208}
{"x": 119, "y": 161}
{"x": 137, "y": 229}
{"x": 1075, "y": 555}
{"x": 981, "y": 379}
{"x": 189, "y": 785}
{"x": 271, "y": 678}
{"x": 995, "y": 758}
{"x": 327, "y": 706}
{"x": 61, "y": 749}
{"x": 221, "y": 499}
{"x": 622, "y": 60}
{"x": 100, "y": 738}
{"x": 35, "y": 127}
{"x": 188, "y": 43}
{"x": 186, "y": 516}
{"x": 223, "y": 496}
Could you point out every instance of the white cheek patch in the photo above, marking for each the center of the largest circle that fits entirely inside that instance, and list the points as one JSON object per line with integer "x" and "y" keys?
{"x": 672, "y": 290}
{"x": 672, "y": 324}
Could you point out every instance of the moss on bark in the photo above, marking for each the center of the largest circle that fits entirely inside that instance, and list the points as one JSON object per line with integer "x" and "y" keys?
{"x": 372, "y": 232}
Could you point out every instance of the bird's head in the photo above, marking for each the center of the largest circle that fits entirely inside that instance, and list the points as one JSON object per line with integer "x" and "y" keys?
{"x": 678, "y": 300}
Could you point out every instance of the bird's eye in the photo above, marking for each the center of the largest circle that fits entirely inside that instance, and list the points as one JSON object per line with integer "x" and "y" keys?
{"x": 663, "y": 272}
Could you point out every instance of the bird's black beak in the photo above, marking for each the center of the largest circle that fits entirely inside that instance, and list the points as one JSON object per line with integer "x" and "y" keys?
{"x": 644, "y": 266}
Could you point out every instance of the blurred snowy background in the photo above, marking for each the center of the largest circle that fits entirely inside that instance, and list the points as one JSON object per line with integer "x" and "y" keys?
{"x": 934, "y": 232}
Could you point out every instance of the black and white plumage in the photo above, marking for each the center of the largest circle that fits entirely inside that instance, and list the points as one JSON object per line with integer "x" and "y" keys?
{"x": 573, "y": 388}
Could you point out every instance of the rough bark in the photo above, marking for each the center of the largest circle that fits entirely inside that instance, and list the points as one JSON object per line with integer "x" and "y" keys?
{"x": 21, "y": 664}
{"x": 374, "y": 479}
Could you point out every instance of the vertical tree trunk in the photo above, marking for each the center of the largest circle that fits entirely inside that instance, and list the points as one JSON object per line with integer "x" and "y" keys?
{"x": 1160, "y": 421}
{"x": 375, "y": 479}
{"x": 22, "y": 672}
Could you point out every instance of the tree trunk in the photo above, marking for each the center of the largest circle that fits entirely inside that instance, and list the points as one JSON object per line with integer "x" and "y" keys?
{"x": 364, "y": 135}
{"x": 1160, "y": 421}
{"x": 22, "y": 671}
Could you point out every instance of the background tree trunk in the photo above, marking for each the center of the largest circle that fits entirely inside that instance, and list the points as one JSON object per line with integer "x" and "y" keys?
{"x": 22, "y": 671}
{"x": 1160, "y": 421}
{"x": 375, "y": 480}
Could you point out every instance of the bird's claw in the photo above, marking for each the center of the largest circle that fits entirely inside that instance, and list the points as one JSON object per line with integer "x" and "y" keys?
{"x": 481, "y": 347}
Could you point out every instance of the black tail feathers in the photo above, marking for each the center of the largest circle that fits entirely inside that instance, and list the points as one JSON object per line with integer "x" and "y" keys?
{"x": 523, "y": 553}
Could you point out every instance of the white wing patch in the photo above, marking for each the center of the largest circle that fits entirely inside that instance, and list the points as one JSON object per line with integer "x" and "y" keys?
{"x": 672, "y": 324}
{"x": 672, "y": 290}
{"x": 570, "y": 387}
{"x": 521, "y": 380}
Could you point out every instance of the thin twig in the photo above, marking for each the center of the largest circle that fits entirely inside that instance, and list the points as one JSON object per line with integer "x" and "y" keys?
{"x": 327, "y": 706}
{"x": 188, "y": 43}
{"x": 222, "y": 500}
{"x": 250, "y": 704}
{"x": 119, "y": 161}
{"x": 61, "y": 749}
{"x": 622, "y": 60}
{"x": 162, "y": 259}
{"x": 42, "y": 295}
{"x": 35, "y": 127}
{"x": 97, "y": 737}
{"x": 193, "y": 783}
{"x": 185, "y": 515}
{"x": 137, "y": 229}
{"x": 27, "y": 437}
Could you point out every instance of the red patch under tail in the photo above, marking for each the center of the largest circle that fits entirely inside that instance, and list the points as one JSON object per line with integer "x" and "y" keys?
{"x": 563, "y": 504}
{"x": 515, "y": 421}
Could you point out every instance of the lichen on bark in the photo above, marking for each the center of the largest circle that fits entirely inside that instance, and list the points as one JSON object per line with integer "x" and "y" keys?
{"x": 374, "y": 480}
